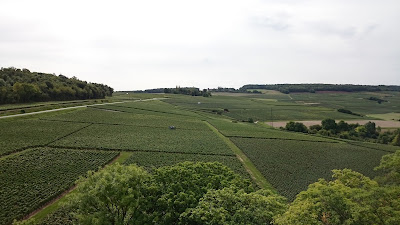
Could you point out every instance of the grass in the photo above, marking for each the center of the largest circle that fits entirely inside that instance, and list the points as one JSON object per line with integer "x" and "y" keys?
{"x": 356, "y": 102}
{"x": 386, "y": 116}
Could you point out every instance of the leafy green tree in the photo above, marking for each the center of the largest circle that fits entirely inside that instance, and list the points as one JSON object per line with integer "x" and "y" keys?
{"x": 343, "y": 126}
{"x": 115, "y": 195}
{"x": 26, "y": 92}
{"x": 396, "y": 140}
{"x": 227, "y": 206}
{"x": 371, "y": 129}
{"x": 329, "y": 124}
{"x": 351, "y": 198}
{"x": 182, "y": 185}
{"x": 296, "y": 126}
{"x": 390, "y": 166}
{"x": 316, "y": 127}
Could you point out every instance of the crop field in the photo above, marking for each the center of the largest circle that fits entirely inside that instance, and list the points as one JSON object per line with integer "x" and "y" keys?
{"x": 259, "y": 109}
{"x": 249, "y": 130}
{"x": 382, "y": 147}
{"x": 120, "y": 137}
{"x": 357, "y": 102}
{"x": 31, "y": 178}
{"x": 158, "y": 159}
{"x": 290, "y": 166}
{"x": 148, "y": 107}
{"x": 42, "y": 156}
{"x": 21, "y": 134}
{"x": 94, "y": 115}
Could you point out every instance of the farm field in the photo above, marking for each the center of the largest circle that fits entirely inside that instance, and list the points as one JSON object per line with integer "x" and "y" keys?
{"x": 258, "y": 108}
{"x": 99, "y": 116}
{"x": 31, "y": 178}
{"x": 120, "y": 137}
{"x": 356, "y": 102}
{"x": 290, "y": 166}
{"x": 247, "y": 130}
{"x": 96, "y": 134}
{"x": 17, "y": 135}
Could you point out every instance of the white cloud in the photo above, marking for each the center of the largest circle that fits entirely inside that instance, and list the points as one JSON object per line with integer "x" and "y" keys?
{"x": 147, "y": 44}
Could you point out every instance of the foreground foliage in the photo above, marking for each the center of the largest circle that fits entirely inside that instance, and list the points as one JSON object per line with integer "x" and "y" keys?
{"x": 169, "y": 195}
{"x": 351, "y": 198}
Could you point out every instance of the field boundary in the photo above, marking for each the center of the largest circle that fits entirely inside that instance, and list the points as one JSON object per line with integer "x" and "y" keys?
{"x": 363, "y": 146}
{"x": 254, "y": 173}
{"x": 285, "y": 139}
{"x": 137, "y": 150}
{"x": 73, "y": 132}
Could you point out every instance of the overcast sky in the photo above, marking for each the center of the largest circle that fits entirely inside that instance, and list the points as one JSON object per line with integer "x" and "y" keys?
{"x": 133, "y": 45}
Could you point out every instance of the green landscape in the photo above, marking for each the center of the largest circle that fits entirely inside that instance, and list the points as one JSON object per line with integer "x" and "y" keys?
{"x": 166, "y": 158}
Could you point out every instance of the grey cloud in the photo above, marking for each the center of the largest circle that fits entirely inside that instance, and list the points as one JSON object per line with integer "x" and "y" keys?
{"x": 325, "y": 28}
{"x": 276, "y": 24}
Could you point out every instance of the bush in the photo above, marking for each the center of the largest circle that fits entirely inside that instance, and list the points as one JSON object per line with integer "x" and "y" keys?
{"x": 296, "y": 127}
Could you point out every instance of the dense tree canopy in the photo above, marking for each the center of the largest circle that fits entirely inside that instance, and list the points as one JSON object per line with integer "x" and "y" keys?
{"x": 287, "y": 88}
{"x": 18, "y": 85}
{"x": 351, "y": 198}
{"x": 130, "y": 195}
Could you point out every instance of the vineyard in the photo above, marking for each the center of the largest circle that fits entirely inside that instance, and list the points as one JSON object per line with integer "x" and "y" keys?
{"x": 17, "y": 135}
{"x": 290, "y": 166}
{"x": 42, "y": 156}
{"x": 247, "y": 130}
{"x": 31, "y": 178}
{"x": 132, "y": 138}
{"x": 98, "y": 116}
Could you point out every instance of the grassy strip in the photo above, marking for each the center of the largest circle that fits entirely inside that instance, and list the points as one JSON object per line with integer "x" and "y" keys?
{"x": 39, "y": 115}
{"x": 59, "y": 202}
{"x": 258, "y": 178}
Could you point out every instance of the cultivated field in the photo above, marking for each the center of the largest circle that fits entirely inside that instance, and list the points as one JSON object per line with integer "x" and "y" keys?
{"x": 42, "y": 155}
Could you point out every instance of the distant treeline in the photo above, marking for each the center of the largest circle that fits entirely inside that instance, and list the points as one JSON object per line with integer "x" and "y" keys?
{"x": 18, "y": 85}
{"x": 193, "y": 91}
{"x": 288, "y": 88}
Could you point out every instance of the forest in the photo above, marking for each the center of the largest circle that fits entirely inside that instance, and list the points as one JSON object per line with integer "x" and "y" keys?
{"x": 288, "y": 88}
{"x": 22, "y": 85}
